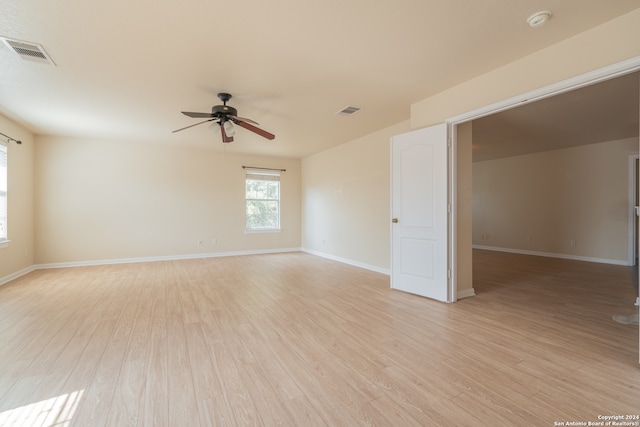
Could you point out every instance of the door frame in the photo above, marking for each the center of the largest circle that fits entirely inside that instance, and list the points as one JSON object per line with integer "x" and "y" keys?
{"x": 596, "y": 76}
{"x": 633, "y": 202}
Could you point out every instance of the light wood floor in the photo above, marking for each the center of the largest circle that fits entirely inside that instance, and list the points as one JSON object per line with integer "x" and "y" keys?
{"x": 297, "y": 340}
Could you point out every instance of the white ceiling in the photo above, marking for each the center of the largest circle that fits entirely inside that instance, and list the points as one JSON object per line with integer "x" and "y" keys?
{"x": 606, "y": 111}
{"x": 126, "y": 68}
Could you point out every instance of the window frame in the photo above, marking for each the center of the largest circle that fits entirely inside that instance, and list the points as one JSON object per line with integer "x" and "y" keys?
{"x": 266, "y": 175}
{"x": 4, "y": 192}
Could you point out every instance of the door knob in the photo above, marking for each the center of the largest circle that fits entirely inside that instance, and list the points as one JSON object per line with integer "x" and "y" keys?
{"x": 394, "y": 220}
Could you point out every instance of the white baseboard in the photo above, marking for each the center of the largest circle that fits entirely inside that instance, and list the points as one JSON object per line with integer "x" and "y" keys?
{"x": 465, "y": 294}
{"x": 553, "y": 255}
{"x": 89, "y": 263}
{"x": 162, "y": 258}
{"x": 348, "y": 261}
{"x": 34, "y": 267}
{"x": 17, "y": 274}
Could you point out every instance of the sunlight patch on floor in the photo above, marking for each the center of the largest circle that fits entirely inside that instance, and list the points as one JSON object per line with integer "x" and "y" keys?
{"x": 55, "y": 412}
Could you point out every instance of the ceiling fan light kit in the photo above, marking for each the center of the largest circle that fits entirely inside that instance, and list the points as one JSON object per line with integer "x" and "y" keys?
{"x": 226, "y": 116}
{"x": 228, "y": 128}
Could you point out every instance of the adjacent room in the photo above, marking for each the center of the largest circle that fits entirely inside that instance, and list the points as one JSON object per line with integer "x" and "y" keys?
{"x": 196, "y": 213}
{"x": 546, "y": 173}
{"x": 558, "y": 177}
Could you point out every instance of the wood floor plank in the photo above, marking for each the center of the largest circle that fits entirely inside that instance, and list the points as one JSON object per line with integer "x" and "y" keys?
{"x": 154, "y": 410}
{"x": 262, "y": 392}
{"x": 128, "y": 399}
{"x": 183, "y": 406}
{"x": 384, "y": 411}
{"x": 293, "y": 339}
{"x": 266, "y": 364}
{"x": 238, "y": 397}
{"x": 303, "y": 413}
{"x": 322, "y": 389}
{"x": 95, "y": 407}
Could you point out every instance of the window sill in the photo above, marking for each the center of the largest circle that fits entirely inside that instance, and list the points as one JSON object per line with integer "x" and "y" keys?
{"x": 4, "y": 244}
{"x": 263, "y": 230}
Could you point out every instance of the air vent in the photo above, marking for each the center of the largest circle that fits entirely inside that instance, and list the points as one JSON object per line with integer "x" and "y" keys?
{"x": 28, "y": 51}
{"x": 348, "y": 111}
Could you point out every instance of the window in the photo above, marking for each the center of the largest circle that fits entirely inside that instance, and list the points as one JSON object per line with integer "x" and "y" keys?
{"x": 3, "y": 192}
{"x": 262, "y": 195}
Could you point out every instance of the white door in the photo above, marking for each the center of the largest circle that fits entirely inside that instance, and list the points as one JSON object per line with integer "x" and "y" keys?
{"x": 419, "y": 229}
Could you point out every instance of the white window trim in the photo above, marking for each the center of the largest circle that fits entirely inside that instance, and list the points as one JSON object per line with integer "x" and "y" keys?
{"x": 261, "y": 230}
{"x": 4, "y": 241}
{"x": 268, "y": 172}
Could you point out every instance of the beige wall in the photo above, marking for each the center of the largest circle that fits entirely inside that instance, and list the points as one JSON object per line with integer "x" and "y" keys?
{"x": 103, "y": 200}
{"x": 541, "y": 202}
{"x": 106, "y": 200}
{"x": 20, "y": 253}
{"x": 346, "y": 200}
{"x": 341, "y": 218}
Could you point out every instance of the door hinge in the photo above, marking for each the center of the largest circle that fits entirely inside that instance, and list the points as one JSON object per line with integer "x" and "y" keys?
{"x": 449, "y": 208}
{"x": 449, "y": 273}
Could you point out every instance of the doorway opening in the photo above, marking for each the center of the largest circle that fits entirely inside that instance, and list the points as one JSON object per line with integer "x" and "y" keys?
{"x": 587, "y": 81}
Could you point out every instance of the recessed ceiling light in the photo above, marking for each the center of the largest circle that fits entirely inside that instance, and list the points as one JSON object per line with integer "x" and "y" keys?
{"x": 538, "y": 19}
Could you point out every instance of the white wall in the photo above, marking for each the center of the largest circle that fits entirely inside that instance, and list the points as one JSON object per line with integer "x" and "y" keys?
{"x": 104, "y": 200}
{"x": 346, "y": 205}
{"x": 19, "y": 255}
{"x": 541, "y": 202}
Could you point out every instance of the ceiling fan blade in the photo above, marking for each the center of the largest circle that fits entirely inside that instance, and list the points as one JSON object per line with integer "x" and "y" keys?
{"x": 243, "y": 119}
{"x": 225, "y": 137}
{"x": 254, "y": 129}
{"x": 197, "y": 115}
{"x": 190, "y": 126}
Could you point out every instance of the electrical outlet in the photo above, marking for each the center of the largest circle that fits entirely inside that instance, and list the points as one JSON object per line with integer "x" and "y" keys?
{"x": 214, "y": 242}
{"x": 572, "y": 242}
{"x": 200, "y": 242}
{"x": 529, "y": 239}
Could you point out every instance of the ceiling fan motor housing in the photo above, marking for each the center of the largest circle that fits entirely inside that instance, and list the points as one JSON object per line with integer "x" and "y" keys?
{"x": 225, "y": 116}
{"x": 223, "y": 110}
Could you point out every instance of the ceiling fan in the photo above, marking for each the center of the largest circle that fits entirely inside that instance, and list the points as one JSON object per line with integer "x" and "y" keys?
{"x": 226, "y": 117}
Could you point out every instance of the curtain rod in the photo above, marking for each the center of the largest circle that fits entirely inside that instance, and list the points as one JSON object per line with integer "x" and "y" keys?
{"x": 266, "y": 169}
{"x": 11, "y": 139}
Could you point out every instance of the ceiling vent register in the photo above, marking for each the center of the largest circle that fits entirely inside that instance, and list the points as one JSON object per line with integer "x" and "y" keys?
{"x": 348, "y": 111}
{"x": 28, "y": 51}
